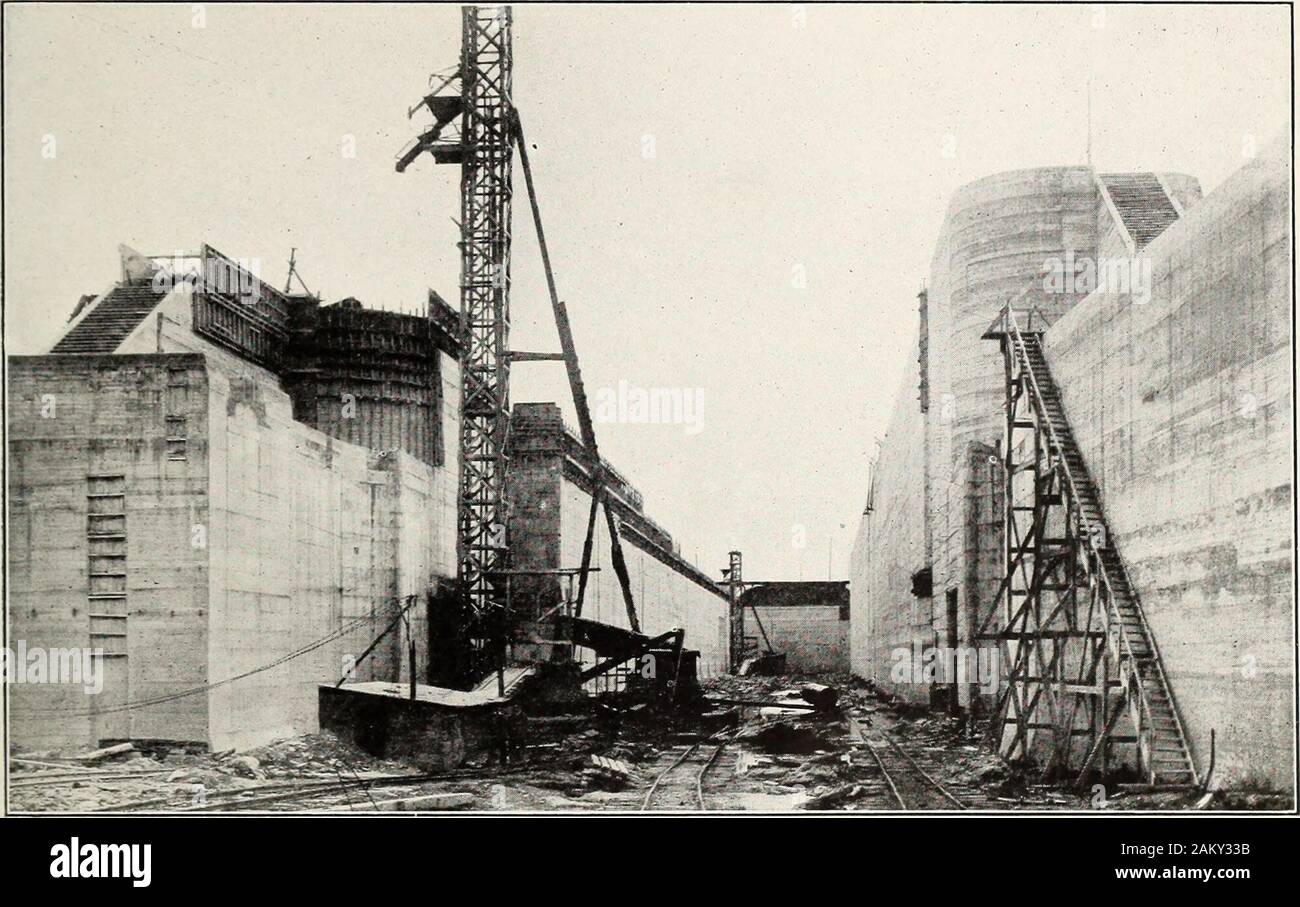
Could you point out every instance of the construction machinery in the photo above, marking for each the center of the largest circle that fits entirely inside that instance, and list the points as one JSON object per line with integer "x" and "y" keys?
{"x": 477, "y": 96}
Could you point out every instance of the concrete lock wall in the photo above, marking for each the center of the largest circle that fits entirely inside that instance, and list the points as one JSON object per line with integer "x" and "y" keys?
{"x": 1182, "y": 408}
{"x": 813, "y": 637}
{"x": 82, "y": 430}
{"x": 281, "y": 536}
{"x": 806, "y": 621}
{"x": 934, "y": 498}
{"x": 997, "y": 235}
{"x": 550, "y": 502}
{"x": 308, "y": 534}
{"x": 889, "y": 548}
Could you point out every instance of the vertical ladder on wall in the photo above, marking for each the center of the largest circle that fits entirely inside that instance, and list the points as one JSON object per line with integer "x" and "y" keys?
{"x": 1084, "y": 670}
{"x": 107, "y": 603}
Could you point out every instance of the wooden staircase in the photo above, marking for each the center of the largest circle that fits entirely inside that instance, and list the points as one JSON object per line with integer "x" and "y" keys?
{"x": 110, "y": 320}
{"x": 1162, "y": 743}
{"x": 1142, "y": 204}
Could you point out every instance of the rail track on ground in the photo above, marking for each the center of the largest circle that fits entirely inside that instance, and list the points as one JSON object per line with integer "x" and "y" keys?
{"x": 348, "y": 788}
{"x": 681, "y": 786}
{"x": 276, "y": 796}
{"x": 908, "y": 778}
{"x": 361, "y": 790}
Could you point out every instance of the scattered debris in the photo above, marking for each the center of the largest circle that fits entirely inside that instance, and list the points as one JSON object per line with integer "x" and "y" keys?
{"x": 38, "y": 764}
{"x": 815, "y": 757}
{"x": 784, "y": 736}
{"x": 833, "y": 797}
{"x": 818, "y": 694}
{"x": 768, "y": 663}
{"x": 613, "y": 770}
{"x": 106, "y": 752}
{"x": 248, "y": 766}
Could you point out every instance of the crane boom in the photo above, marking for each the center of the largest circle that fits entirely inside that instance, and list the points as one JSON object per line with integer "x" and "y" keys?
{"x": 585, "y": 425}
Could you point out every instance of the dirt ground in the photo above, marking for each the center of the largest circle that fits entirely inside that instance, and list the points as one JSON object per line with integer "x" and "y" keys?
{"x": 865, "y": 755}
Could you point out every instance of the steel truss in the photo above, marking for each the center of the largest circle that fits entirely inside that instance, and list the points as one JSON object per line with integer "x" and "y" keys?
{"x": 490, "y": 130}
{"x": 487, "y": 132}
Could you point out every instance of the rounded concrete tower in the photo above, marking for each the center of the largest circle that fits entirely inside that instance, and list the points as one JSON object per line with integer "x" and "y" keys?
{"x": 999, "y": 236}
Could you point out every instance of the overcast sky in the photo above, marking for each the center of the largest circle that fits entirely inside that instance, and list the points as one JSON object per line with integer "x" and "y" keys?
{"x": 741, "y": 201}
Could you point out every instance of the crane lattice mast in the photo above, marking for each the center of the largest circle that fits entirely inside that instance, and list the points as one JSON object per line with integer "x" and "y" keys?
{"x": 487, "y": 131}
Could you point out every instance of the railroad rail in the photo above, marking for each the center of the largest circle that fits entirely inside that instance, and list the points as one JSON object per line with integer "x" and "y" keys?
{"x": 684, "y": 785}
{"x": 910, "y": 786}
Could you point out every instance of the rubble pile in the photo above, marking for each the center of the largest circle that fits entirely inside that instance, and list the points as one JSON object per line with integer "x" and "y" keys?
{"x": 164, "y": 777}
{"x": 790, "y": 745}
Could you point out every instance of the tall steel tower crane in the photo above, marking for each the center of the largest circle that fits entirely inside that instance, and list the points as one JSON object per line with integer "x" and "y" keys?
{"x": 489, "y": 127}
